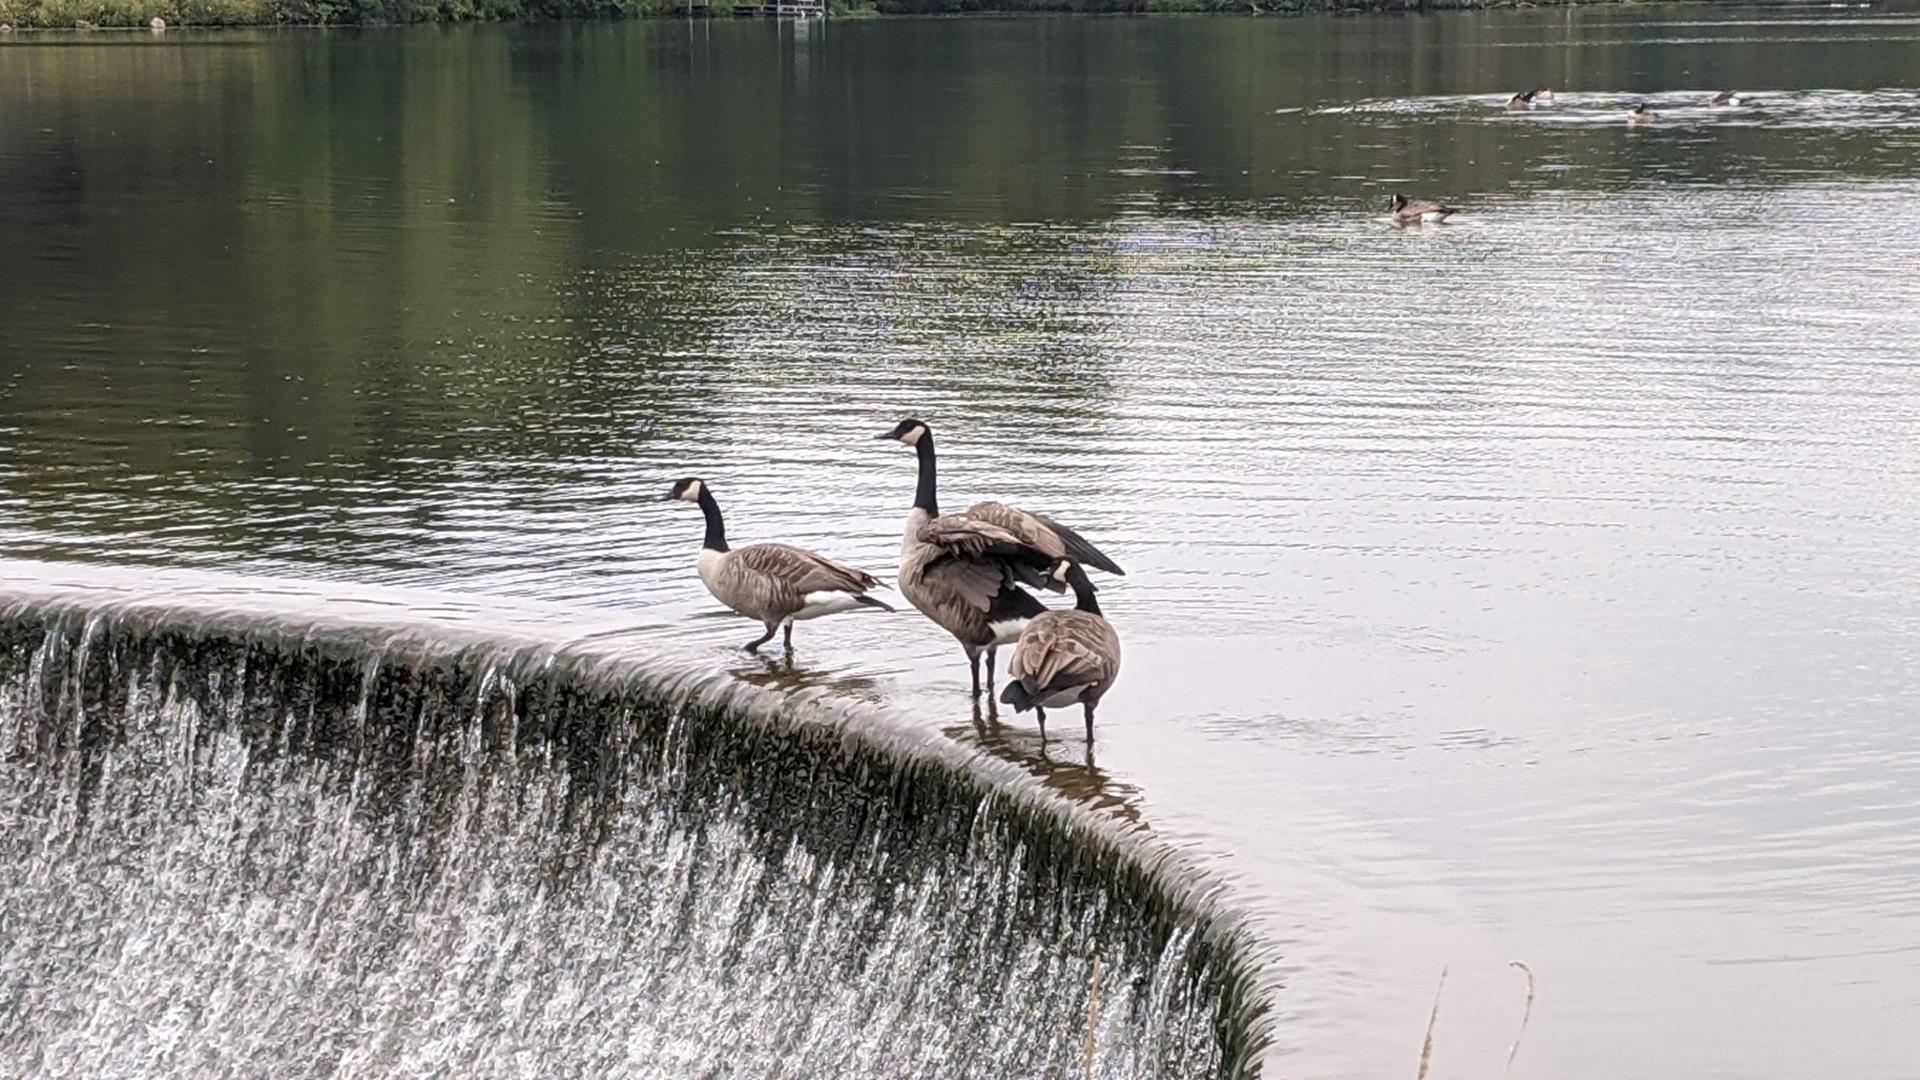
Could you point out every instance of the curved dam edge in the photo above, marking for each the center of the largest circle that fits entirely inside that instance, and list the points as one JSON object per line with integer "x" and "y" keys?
{"x": 1167, "y": 894}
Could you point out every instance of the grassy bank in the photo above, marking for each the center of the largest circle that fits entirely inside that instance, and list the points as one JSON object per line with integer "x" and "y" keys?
{"x": 138, "y": 13}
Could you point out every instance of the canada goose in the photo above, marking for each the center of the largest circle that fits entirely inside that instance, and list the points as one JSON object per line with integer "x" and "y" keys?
{"x": 778, "y": 584}
{"x": 964, "y": 571}
{"x": 1413, "y": 211}
{"x": 1522, "y": 100}
{"x": 1064, "y": 656}
{"x": 1640, "y": 116}
{"x": 1723, "y": 100}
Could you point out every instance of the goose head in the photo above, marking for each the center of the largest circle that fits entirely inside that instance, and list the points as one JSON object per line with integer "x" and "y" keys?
{"x": 909, "y": 431}
{"x": 688, "y": 490}
{"x": 1067, "y": 574}
{"x": 1398, "y": 203}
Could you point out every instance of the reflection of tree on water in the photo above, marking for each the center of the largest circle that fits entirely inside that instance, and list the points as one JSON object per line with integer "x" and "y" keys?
{"x": 1065, "y": 765}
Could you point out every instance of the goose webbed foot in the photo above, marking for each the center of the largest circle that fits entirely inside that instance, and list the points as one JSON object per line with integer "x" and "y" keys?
{"x": 754, "y": 645}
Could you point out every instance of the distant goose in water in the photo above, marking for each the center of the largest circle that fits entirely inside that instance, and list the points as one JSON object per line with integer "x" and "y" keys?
{"x": 1641, "y": 116}
{"x": 964, "y": 571}
{"x": 1413, "y": 211}
{"x": 1724, "y": 99}
{"x": 1524, "y": 100}
{"x": 1543, "y": 96}
{"x": 778, "y": 584}
{"x": 1065, "y": 657}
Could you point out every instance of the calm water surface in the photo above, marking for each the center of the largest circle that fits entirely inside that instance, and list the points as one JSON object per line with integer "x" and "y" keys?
{"x": 1536, "y": 588}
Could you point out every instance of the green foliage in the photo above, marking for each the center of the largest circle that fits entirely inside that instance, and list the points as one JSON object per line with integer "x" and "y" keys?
{"x": 63, "y": 13}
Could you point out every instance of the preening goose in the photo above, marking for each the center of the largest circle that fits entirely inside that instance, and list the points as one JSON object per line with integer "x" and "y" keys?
{"x": 1064, "y": 656}
{"x": 778, "y": 584}
{"x": 1641, "y": 116}
{"x": 1725, "y": 99}
{"x": 1414, "y": 211}
{"x": 1523, "y": 100}
{"x": 964, "y": 571}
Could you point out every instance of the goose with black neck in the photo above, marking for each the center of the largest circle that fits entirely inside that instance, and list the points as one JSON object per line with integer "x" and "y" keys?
{"x": 777, "y": 584}
{"x": 966, "y": 571}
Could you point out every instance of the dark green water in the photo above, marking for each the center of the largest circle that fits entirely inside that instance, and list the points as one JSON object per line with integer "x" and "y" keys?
{"x": 1529, "y": 588}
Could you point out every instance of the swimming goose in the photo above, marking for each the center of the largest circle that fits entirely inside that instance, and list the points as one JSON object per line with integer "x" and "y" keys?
{"x": 1413, "y": 211}
{"x": 778, "y": 584}
{"x": 964, "y": 571}
{"x": 1724, "y": 99}
{"x": 1064, "y": 656}
{"x": 1640, "y": 116}
{"x": 1523, "y": 100}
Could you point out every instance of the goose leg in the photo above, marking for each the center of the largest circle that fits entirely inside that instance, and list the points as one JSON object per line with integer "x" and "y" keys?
{"x": 754, "y": 645}
{"x": 973, "y": 661}
{"x": 1042, "y": 713}
{"x": 787, "y": 636}
{"x": 1089, "y": 723}
{"x": 990, "y": 652}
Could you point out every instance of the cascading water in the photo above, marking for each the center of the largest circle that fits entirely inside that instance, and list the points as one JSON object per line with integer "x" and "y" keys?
{"x": 239, "y": 841}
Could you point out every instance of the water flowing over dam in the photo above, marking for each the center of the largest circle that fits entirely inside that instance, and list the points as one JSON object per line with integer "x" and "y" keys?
{"x": 251, "y": 830}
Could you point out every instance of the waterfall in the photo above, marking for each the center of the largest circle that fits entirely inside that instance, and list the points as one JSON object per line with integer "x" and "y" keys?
{"x": 242, "y": 837}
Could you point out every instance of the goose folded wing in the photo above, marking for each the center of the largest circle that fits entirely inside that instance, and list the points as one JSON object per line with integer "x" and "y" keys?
{"x": 976, "y": 560}
{"x": 970, "y": 582}
{"x": 800, "y": 570}
{"x": 967, "y": 537}
{"x": 1057, "y": 654}
{"x": 1043, "y": 534}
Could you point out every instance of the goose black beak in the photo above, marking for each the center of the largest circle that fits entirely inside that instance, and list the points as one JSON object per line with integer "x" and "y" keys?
{"x": 668, "y": 497}
{"x": 884, "y": 435}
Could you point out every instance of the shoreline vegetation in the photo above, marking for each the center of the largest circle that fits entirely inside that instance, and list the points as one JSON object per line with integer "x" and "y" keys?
{"x": 140, "y": 14}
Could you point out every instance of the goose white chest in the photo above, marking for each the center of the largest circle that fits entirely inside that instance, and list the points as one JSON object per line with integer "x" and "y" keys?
{"x": 710, "y": 566}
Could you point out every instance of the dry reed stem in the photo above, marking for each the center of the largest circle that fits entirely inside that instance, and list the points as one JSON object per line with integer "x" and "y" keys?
{"x": 1426, "y": 1047}
{"x": 1514, "y": 1050}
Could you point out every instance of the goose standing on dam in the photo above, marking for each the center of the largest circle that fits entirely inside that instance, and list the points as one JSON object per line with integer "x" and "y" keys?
{"x": 965, "y": 571}
{"x": 1065, "y": 657}
{"x": 778, "y": 584}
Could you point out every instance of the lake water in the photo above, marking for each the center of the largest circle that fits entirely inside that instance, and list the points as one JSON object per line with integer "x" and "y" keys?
{"x": 1541, "y": 587}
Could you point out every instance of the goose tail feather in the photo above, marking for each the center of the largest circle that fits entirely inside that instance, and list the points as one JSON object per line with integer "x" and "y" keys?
{"x": 1017, "y": 695}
